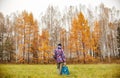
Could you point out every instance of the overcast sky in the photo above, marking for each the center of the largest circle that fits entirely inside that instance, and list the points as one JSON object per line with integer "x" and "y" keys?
{"x": 38, "y": 6}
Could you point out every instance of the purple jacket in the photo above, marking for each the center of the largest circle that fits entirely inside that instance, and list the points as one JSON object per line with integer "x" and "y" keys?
{"x": 59, "y": 55}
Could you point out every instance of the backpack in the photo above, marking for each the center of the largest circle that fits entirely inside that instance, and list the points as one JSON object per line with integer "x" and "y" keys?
{"x": 65, "y": 70}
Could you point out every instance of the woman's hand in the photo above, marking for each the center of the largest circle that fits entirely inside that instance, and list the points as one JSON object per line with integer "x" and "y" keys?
{"x": 64, "y": 63}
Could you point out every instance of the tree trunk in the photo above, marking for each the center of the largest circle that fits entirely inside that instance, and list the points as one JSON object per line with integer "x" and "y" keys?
{"x": 24, "y": 47}
{"x": 84, "y": 52}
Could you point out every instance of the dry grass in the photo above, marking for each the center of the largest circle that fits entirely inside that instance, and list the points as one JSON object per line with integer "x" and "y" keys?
{"x": 49, "y": 71}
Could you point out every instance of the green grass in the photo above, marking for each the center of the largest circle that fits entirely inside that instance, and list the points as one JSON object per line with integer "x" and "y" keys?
{"x": 49, "y": 71}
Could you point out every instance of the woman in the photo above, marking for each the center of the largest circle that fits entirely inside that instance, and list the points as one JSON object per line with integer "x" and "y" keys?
{"x": 59, "y": 57}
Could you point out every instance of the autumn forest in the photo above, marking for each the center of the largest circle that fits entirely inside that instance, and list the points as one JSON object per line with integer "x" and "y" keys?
{"x": 87, "y": 35}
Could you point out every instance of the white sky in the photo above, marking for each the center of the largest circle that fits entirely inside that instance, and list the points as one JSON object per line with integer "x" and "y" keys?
{"x": 39, "y": 6}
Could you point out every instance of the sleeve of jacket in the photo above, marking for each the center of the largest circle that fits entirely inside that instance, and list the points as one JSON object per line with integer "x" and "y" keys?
{"x": 63, "y": 56}
{"x": 55, "y": 55}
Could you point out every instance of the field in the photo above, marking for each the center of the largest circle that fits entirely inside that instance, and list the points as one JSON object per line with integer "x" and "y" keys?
{"x": 49, "y": 71}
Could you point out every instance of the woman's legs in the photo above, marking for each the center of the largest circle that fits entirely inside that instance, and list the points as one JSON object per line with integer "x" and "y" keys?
{"x": 59, "y": 67}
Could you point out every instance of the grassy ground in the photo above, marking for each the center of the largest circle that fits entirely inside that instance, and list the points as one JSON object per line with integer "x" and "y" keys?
{"x": 49, "y": 71}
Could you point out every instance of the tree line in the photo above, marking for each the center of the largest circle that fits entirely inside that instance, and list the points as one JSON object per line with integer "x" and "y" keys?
{"x": 86, "y": 35}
